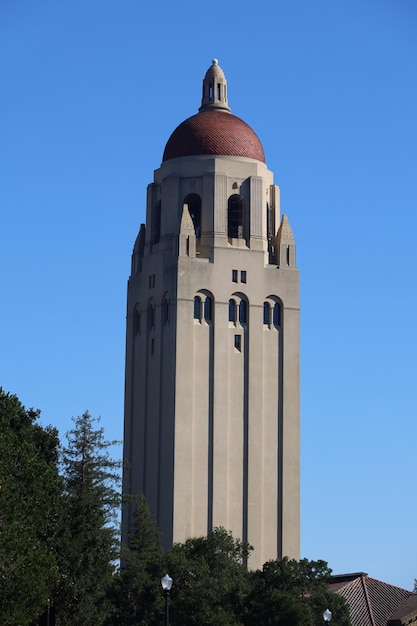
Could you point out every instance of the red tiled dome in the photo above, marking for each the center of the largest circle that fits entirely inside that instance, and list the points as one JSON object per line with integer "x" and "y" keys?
{"x": 214, "y": 132}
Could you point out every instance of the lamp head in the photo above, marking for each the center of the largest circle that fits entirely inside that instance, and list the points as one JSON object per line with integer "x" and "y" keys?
{"x": 327, "y": 616}
{"x": 166, "y": 582}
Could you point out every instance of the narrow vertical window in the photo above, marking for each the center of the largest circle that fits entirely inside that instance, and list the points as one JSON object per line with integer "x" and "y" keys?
{"x": 243, "y": 276}
{"x": 218, "y": 91}
{"x": 197, "y": 308}
{"x": 232, "y": 310}
{"x": 270, "y": 221}
{"x": 193, "y": 201}
{"x": 208, "y": 309}
{"x": 243, "y": 312}
{"x": 238, "y": 343}
{"x": 234, "y": 276}
{"x": 235, "y": 217}
{"x": 277, "y": 314}
{"x": 266, "y": 313}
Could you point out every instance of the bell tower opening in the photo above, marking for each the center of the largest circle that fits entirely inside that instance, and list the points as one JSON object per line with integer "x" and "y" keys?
{"x": 193, "y": 202}
{"x": 236, "y": 217}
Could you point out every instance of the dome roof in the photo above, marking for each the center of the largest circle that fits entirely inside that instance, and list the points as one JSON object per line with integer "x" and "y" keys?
{"x": 214, "y": 132}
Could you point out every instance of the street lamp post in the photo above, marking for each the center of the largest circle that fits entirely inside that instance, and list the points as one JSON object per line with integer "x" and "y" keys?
{"x": 327, "y": 616}
{"x": 166, "y": 582}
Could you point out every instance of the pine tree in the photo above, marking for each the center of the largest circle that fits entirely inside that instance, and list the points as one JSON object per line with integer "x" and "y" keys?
{"x": 89, "y": 541}
{"x": 135, "y": 593}
{"x": 145, "y": 538}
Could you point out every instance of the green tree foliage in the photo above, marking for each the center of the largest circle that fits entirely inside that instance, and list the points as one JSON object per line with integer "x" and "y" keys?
{"x": 208, "y": 573}
{"x": 293, "y": 593}
{"x": 135, "y": 593}
{"x": 209, "y": 579}
{"x": 58, "y": 540}
{"x": 211, "y": 586}
{"x": 145, "y": 538}
{"x": 88, "y": 543}
{"x": 30, "y": 489}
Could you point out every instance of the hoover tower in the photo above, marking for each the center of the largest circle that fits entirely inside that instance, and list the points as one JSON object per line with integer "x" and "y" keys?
{"x": 212, "y": 354}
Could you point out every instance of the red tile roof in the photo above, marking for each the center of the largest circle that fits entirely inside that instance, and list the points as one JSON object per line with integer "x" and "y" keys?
{"x": 406, "y": 613}
{"x": 371, "y": 602}
{"x": 216, "y": 133}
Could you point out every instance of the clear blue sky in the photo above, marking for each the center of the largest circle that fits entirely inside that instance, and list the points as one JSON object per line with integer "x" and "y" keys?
{"x": 91, "y": 91}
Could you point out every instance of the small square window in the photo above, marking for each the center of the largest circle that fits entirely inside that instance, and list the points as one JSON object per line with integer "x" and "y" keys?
{"x": 243, "y": 276}
{"x": 234, "y": 276}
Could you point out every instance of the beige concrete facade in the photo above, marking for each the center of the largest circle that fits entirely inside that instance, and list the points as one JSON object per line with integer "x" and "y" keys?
{"x": 212, "y": 357}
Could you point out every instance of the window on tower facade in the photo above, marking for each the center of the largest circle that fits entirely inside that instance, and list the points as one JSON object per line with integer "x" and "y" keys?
{"x": 277, "y": 314}
{"x": 193, "y": 201}
{"x": 243, "y": 312}
{"x": 232, "y": 310}
{"x": 235, "y": 217}
{"x": 204, "y": 307}
{"x": 208, "y": 309}
{"x": 271, "y": 232}
{"x": 197, "y": 308}
{"x": 272, "y": 312}
{"x": 267, "y": 310}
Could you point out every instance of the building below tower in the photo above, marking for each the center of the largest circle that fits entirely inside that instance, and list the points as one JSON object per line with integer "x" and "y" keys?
{"x": 212, "y": 351}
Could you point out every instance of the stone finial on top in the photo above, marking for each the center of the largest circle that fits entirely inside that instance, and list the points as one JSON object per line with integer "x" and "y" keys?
{"x": 214, "y": 89}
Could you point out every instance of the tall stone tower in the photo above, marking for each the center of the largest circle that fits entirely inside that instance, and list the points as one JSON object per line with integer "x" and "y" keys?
{"x": 212, "y": 361}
